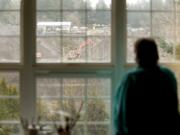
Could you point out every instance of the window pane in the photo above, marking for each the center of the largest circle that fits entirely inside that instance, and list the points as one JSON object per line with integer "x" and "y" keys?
{"x": 130, "y": 49}
{"x": 98, "y": 110}
{"x": 138, "y": 4}
{"x": 74, "y": 25}
{"x": 9, "y": 31}
{"x": 177, "y": 2}
{"x": 178, "y": 26}
{"x": 98, "y": 129}
{"x": 74, "y": 4}
{"x": 77, "y": 23}
{"x": 46, "y": 23}
{"x": 73, "y": 87}
{"x": 51, "y": 86}
{"x": 48, "y": 16}
{"x": 98, "y": 4}
{"x": 48, "y": 49}
{"x": 74, "y": 49}
{"x": 55, "y": 109}
{"x": 99, "y": 49}
{"x": 10, "y": 129}
{"x": 99, "y": 23}
{"x": 9, "y": 44}
{"x": 163, "y": 24}
{"x": 9, "y": 84}
{"x": 138, "y": 24}
{"x": 48, "y": 4}
{"x": 166, "y": 46}
{"x": 78, "y": 130}
{"x": 9, "y": 103}
{"x": 74, "y": 93}
{"x": 98, "y": 88}
{"x": 10, "y": 109}
{"x": 162, "y": 4}
{"x": 9, "y": 4}
{"x": 9, "y": 23}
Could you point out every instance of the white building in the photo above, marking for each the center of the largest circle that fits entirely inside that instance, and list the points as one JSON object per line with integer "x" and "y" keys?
{"x": 48, "y": 27}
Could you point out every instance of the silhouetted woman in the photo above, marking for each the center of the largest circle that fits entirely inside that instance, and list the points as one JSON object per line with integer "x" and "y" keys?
{"x": 146, "y": 102}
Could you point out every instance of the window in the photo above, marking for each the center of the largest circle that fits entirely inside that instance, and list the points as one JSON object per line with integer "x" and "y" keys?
{"x": 69, "y": 93}
{"x": 71, "y": 31}
{"x": 55, "y": 56}
{"x": 74, "y": 32}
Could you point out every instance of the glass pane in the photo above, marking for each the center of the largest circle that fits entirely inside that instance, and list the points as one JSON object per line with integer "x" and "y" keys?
{"x": 10, "y": 109}
{"x": 9, "y": 84}
{"x": 47, "y": 109}
{"x": 130, "y": 49}
{"x": 9, "y": 23}
{"x": 98, "y": 88}
{"x": 9, "y": 4}
{"x": 98, "y": 110}
{"x": 9, "y": 92}
{"x": 74, "y": 49}
{"x": 78, "y": 130}
{"x": 73, "y": 87}
{"x": 177, "y": 2}
{"x": 162, "y": 4}
{"x": 99, "y": 23}
{"x": 7, "y": 45}
{"x": 178, "y": 26}
{"x": 48, "y": 23}
{"x": 138, "y": 24}
{"x": 177, "y": 45}
{"x": 76, "y": 22}
{"x": 48, "y": 4}
{"x": 98, "y": 129}
{"x": 48, "y": 49}
{"x": 98, "y": 4}
{"x": 10, "y": 129}
{"x": 138, "y": 4}
{"x": 166, "y": 46}
{"x": 99, "y": 49}
{"x": 163, "y": 24}
{"x": 74, "y": 4}
{"x": 79, "y": 95}
{"x": 56, "y": 110}
{"x": 49, "y": 86}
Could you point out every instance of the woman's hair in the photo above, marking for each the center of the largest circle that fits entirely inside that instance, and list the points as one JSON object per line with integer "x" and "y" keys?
{"x": 146, "y": 52}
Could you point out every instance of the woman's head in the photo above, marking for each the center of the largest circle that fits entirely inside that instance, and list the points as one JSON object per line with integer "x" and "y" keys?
{"x": 146, "y": 52}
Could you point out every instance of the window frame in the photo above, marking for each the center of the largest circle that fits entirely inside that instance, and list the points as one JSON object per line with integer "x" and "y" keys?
{"x": 28, "y": 68}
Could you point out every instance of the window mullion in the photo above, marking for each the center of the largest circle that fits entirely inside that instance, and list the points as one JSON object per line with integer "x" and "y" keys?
{"x": 27, "y": 77}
